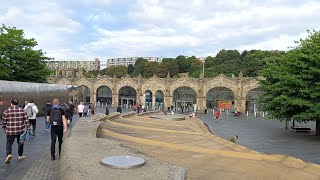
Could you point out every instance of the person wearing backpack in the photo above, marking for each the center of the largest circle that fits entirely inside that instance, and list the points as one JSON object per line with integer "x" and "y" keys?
{"x": 45, "y": 110}
{"x": 32, "y": 111}
{"x": 57, "y": 118}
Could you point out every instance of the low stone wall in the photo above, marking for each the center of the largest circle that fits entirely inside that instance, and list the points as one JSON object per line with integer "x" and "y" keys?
{"x": 82, "y": 152}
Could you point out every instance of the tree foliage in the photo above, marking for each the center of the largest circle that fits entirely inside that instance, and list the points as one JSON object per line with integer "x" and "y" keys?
{"x": 18, "y": 59}
{"x": 139, "y": 67}
{"x": 119, "y": 71}
{"x": 292, "y": 83}
{"x": 130, "y": 69}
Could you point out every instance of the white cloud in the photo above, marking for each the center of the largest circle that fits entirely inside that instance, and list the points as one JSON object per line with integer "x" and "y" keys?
{"x": 106, "y": 28}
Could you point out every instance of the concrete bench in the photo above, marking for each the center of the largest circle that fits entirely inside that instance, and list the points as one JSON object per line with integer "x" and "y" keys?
{"x": 300, "y": 129}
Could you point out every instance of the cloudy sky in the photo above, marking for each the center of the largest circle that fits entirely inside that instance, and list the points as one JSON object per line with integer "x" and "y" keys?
{"x": 84, "y": 29}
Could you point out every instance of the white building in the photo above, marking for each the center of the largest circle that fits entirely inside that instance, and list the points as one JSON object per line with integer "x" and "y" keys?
{"x": 130, "y": 60}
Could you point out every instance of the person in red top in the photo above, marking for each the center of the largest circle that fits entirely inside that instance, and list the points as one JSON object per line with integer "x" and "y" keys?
{"x": 218, "y": 116}
{"x": 14, "y": 122}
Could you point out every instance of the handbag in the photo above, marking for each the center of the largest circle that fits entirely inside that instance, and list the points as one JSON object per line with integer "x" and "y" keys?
{"x": 24, "y": 136}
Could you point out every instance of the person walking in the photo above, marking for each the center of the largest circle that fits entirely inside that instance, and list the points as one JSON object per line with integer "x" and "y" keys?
{"x": 32, "y": 111}
{"x": 14, "y": 122}
{"x": 218, "y": 115}
{"x": 57, "y": 118}
{"x": 80, "y": 109}
{"x": 45, "y": 110}
{"x": 119, "y": 109}
{"x": 107, "y": 111}
{"x": 71, "y": 107}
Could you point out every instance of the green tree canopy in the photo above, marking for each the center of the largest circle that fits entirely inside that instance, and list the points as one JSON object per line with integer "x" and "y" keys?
{"x": 183, "y": 63}
{"x": 292, "y": 82}
{"x": 166, "y": 67}
{"x": 18, "y": 59}
{"x": 119, "y": 71}
{"x": 130, "y": 69}
{"x": 150, "y": 69}
{"x": 209, "y": 62}
{"x": 139, "y": 66}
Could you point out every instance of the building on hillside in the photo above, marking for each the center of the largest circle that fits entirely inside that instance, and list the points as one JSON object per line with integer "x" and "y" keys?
{"x": 130, "y": 60}
{"x": 68, "y": 68}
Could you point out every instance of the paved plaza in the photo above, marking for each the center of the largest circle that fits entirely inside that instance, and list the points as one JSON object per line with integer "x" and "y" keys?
{"x": 268, "y": 136}
{"x": 259, "y": 134}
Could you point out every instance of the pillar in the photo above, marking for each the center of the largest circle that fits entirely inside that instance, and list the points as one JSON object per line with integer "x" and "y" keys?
{"x": 115, "y": 100}
{"x": 153, "y": 101}
{"x": 201, "y": 104}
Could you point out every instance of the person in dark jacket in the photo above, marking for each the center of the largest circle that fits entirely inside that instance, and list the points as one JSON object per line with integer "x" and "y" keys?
{"x": 45, "y": 110}
{"x": 107, "y": 111}
{"x": 119, "y": 109}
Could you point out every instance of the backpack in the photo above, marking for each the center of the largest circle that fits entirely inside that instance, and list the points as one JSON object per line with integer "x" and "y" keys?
{"x": 55, "y": 117}
{"x": 29, "y": 111}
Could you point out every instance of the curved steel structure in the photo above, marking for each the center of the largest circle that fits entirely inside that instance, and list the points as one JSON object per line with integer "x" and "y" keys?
{"x": 40, "y": 93}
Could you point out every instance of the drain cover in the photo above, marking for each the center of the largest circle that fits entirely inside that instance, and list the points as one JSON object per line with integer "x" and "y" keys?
{"x": 125, "y": 162}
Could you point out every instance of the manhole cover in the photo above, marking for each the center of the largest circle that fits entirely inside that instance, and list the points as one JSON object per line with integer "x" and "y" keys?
{"x": 126, "y": 162}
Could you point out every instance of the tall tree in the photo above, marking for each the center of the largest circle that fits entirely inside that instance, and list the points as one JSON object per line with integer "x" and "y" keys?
{"x": 130, "y": 69}
{"x": 150, "y": 69}
{"x": 139, "y": 66}
{"x": 119, "y": 71}
{"x": 209, "y": 62}
{"x": 183, "y": 63}
{"x": 18, "y": 59}
{"x": 166, "y": 67}
{"x": 292, "y": 83}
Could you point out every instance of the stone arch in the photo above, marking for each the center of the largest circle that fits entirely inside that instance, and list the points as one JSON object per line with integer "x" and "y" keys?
{"x": 220, "y": 97}
{"x": 84, "y": 82}
{"x": 159, "y": 99}
{"x": 153, "y": 85}
{"x": 84, "y": 94}
{"x": 127, "y": 96}
{"x": 184, "y": 83}
{"x": 252, "y": 97}
{"x": 104, "y": 96}
{"x": 184, "y": 98}
{"x": 147, "y": 99}
{"x": 221, "y": 81}
{"x": 127, "y": 82}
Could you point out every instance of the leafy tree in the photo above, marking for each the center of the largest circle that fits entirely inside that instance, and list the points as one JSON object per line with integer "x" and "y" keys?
{"x": 196, "y": 68}
{"x": 166, "y": 67}
{"x": 139, "y": 66}
{"x": 165, "y": 60}
{"x": 183, "y": 63}
{"x": 209, "y": 62}
{"x": 18, "y": 60}
{"x": 292, "y": 83}
{"x": 130, "y": 69}
{"x": 150, "y": 69}
{"x": 119, "y": 71}
{"x": 254, "y": 60}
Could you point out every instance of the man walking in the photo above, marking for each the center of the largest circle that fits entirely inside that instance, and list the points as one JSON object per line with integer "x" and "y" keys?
{"x": 80, "y": 109}
{"x": 57, "y": 118}
{"x": 32, "y": 111}
{"x": 46, "y": 108}
{"x": 14, "y": 122}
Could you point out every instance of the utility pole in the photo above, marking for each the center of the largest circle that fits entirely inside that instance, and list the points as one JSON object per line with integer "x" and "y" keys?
{"x": 203, "y": 67}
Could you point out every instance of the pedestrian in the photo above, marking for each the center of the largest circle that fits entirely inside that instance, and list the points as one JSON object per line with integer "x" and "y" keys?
{"x": 14, "y": 122}
{"x": 80, "y": 109}
{"x": 234, "y": 139}
{"x": 71, "y": 107}
{"x": 218, "y": 115}
{"x": 119, "y": 109}
{"x": 57, "y": 118}
{"x": 32, "y": 111}
{"x": 107, "y": 111}
{"x": 45, "y": 110}
{"x": 69, "y": 113}
{"x": 85, "y": 110}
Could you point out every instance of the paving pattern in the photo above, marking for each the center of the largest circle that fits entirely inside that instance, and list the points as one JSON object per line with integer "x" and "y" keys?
{"x": 268, "y": 136}
{"x": 189, "y": 144}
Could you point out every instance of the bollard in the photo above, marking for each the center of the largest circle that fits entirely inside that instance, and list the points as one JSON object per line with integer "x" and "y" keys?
{"x": 247, "y": 113}
{"x": 263, "y": 114}
{"x": 212, "y": 111}
{"x": 255, "y": 114}
{"x": 227, "y": 111}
